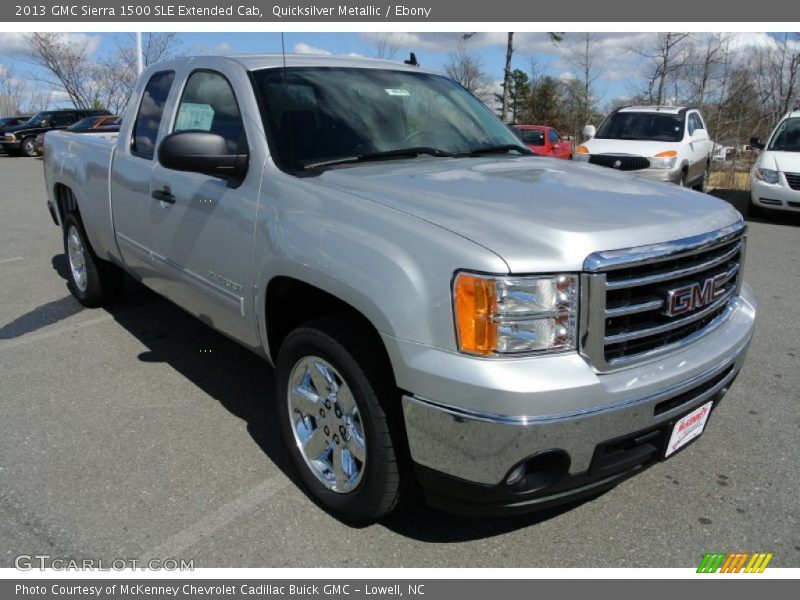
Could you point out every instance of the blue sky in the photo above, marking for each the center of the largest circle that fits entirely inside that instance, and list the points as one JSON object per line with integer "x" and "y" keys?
{"x": 620, "y": 69}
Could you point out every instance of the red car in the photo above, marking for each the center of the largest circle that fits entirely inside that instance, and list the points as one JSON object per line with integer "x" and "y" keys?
{"x": 544, "y": 141}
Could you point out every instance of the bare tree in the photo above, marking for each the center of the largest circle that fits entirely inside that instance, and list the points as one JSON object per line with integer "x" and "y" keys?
{"x": 69, "y": 63}
{"x": 466, "y": 67}
{"x": 583, "y": 58}
{"x": 507, "y": 77}
{"x": 65, "y": 63}
{"x": 385, "y": 46}
{"x": 702, "y": 67}
{"x": 665, "y": 60}
{"x": 12, "y": 91}
{"x": 116, "y": 72}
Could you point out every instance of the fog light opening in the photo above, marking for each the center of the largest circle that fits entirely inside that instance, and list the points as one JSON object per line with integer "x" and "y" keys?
{"x": 538, "y": 472}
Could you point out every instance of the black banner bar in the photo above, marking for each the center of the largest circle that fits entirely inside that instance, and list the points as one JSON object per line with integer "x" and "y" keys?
{"x": 433, "y": 11}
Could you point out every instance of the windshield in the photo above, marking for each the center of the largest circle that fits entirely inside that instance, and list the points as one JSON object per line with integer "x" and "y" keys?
{"x": 787, "y": 136}
{"x": 320, "y": 115}
{"x": 532, "y": 137}
{"x": 659, "y": 127}
{"x": 39, "y": 119}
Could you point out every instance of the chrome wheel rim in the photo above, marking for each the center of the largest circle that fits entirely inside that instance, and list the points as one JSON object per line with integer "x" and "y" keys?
{"x": 77, "y": 258}
{"x": 326, "y": 424}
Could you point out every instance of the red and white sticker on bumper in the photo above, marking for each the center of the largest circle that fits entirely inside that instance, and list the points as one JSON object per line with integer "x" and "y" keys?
{"x": 688, "y": 428}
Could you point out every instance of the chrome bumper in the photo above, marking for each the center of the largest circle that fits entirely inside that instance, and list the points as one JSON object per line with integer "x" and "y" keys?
{"x": 662, "y": 175}
{"x": 477, "y": 438}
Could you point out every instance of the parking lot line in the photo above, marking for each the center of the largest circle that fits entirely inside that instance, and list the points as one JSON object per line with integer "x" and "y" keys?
{"x": 8, "y": 260}
{"x": 213, "y": 522}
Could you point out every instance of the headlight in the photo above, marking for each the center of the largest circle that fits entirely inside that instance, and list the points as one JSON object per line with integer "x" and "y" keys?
{"x": 581, "y": 154}
{"x": 664, "y": 160}
{"x": 514, "y": 315}
{"x": 767, "y": 175}
{"x": 10, "y": 137}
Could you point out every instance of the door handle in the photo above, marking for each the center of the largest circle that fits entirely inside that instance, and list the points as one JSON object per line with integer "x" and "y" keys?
{"x": 164, "y": 195}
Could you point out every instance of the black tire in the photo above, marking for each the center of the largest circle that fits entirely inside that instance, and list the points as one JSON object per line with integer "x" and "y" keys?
{"x": 103, "y": 281}
{"x": 351, "y": 348}
{"x": 703, "y": 183}
{"x": 682, "y": 180}
{"x": 28, "y": 147}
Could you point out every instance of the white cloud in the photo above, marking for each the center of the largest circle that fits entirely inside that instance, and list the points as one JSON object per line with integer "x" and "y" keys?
{"x": 303, "y": 48}
{"x": 221, "y": 48}
{"x": 14, "y": 42}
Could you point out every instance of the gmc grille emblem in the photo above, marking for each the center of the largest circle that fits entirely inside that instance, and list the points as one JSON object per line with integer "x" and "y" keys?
{"x": 695, "y": 295}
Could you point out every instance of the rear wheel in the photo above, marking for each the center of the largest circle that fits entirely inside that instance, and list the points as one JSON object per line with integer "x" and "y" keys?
{"x": 340, "y": 416}
{"x": 92, "y": 281}
{"x": 29, "y": 147}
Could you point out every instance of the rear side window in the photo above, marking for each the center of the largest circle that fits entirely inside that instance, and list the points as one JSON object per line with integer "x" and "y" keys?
{"x": 209, "y": 104}
{"x": 148, "y": 119}
{"x": 62, "y": 119}
{"x": 533, "y": 137}
{"x": 553, "y": 137}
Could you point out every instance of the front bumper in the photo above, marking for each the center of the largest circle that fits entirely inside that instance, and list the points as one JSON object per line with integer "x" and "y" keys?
{"x": 777, "y": 196}
{"x": 471, "y": 422}
{"x": 11, "y": 146}
{"x": 662, "y": 175}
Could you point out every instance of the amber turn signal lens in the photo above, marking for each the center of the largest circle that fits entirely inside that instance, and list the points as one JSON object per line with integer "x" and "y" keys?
{"x": 475, "y": 304}
{"x": 667, "y": 154}
{"x": 582, "y": 150}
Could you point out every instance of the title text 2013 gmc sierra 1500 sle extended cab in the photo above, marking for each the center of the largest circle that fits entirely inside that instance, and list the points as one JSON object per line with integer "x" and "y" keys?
{"x": 445, "y": 311}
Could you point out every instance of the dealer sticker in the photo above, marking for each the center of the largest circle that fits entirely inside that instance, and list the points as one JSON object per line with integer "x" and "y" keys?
{"x": 688, "y": 428}
{"x": 397, "y": 92}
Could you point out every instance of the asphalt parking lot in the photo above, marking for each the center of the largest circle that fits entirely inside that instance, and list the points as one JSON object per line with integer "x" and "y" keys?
{"x": 139, "y": 432}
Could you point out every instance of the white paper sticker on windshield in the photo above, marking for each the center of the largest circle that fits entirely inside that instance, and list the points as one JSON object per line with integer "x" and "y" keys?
{"x": 194, "y": 116}
{"x": 397, "y": 92}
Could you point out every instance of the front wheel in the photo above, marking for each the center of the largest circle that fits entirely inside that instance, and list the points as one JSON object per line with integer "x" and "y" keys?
{"x": 339, "y": 413}
{"x": 702, "y": 185}
{"x": 29, "y": 147}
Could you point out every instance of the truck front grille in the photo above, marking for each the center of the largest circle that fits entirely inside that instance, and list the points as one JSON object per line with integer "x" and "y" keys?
{"x": 620, "y": 162}
{"x": 793, "y": 179}
{"x": 630, "y": 315}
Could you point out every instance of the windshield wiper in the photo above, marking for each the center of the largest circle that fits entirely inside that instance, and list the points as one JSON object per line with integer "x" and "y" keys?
{"x": 495, "y": 150}
{"x": 385, "y": 155}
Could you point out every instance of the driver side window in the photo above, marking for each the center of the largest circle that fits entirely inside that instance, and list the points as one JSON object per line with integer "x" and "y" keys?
{"x": 209, "y": 104}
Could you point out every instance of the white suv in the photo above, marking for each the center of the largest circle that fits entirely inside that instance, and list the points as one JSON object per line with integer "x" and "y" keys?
{"x": 775, "y": 179}
{"x": 664, "y": 143}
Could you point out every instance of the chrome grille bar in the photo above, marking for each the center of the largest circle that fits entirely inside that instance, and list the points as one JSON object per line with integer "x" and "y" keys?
{"x": 624, "y": 293}
{"x": 667, "y": 327}
{"x": 677, "y": 273}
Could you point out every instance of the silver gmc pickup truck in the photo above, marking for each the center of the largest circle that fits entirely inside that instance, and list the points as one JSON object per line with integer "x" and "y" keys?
{"x": 446, "y": 313}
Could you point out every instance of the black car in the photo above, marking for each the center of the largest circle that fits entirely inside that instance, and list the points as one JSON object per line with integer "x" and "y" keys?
{"x": 7, "y": 122}
{"x": 21, "y": 138}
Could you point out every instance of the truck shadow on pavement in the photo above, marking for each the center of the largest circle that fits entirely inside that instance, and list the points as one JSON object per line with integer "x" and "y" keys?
{"x": 242, "y": 383}
{"x": 45, "y": 314}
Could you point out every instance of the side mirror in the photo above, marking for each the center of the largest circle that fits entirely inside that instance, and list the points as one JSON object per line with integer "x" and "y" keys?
{"x": 202, "y": 152}
{"x": 589, "y": 131}
{"x": 756, "y": 143}
{"x": 700, "y": 134}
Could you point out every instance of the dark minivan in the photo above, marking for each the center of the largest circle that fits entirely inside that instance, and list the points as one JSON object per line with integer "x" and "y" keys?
{"x": 21, "y": 138}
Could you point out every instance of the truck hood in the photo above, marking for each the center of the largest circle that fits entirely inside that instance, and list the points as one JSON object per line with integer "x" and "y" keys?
{"x": 538, "y": 214}
{"x": 636, "y": 147}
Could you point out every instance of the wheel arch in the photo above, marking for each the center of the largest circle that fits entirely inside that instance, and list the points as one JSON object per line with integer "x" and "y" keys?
{"x": 289, "y": 302}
